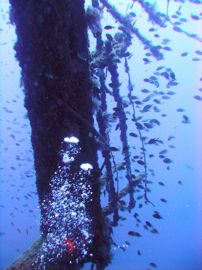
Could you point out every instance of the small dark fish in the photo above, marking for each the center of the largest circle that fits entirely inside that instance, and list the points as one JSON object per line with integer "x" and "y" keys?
{"x": 108, "y": 27}
{"x": 171, "y": 137}
{"x": 154, "y": 231}
{"x": 12, "y": 136}
{"x": 161, "y": 183}
{"x": 159, "y": 68}
{"x": 138, "y": 102}
{"x": 157, "y": 215}
{"x": 163, "y": 200}
{"x": 195, "y": 17}
{"x": 180, "y": 110}
{"x": 198, "y": 52}
{"x": 139, "y": 253}
{"x": 198, "y": 98}
{"x": 172, "y": 83}
{"x": 166, "y": 48}
{"x": 163, "y": 152}
{"x": 139, "y": 126}
{"x": 167, "y": 160}
{"x": 147, "y": 108}
{"x": 140, "y": 197}
{"x": 165, "y": 41}
{"x": 148, "y": 54}
{"x": 127, "y": 54}
{"x": 155, "y": 121}
{"x": 133, "y": 233}
{"x": 165, "y": 97}
{"x": 114, "y": 149}
{"x": 127, "y": 243}
{"x": 156, "y": 109}
{"x": 148, "y": 98}
{"x": 177, "y": 29}
{"x": 122, "y": 202}
{"x": 136, "y": 156}
{"x": 171, "y": 93}
{"x": 185, "y": 119}
{"x": 120, "y": 166}
{"x": 140, "y": 186}
{"x": 122, "y": 218}
{"x": 148, "y": 224}
{"x": 8, "y": 111}
{"x": 177, "y": 23}
{"x": 117, "y": 126}
{"x": 152, "y": 29}
{"x": 157, "y": 101}
{"x": 123, "y": 248}
{"x": 195, "y": 59}
{"x": 145, "y": 91}
{"x": 171, "y": 146}
{"x": 148, "y": 125}
{"x": 132, "y": 134}
{"x": 109, "y": 37}
{"x": 134, "y": 97}
{"x": 141, "y": 162}
{"x": 146, "y": 60}
{"x": 184, "y": 54}
{"x": 153, "y": 264}
{"x": 136, "y": 215}
{"x": 174, "y": 16}
{"x": 183, "y": 20}
{"x": 180, "y": 182}
{"x": 154, "y": 141}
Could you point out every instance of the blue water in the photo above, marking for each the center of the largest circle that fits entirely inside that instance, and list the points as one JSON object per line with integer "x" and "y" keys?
{"x": 178, "y": 244}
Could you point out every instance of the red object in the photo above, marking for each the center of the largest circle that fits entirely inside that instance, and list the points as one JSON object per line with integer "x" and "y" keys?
{"x": 70, "y": 245}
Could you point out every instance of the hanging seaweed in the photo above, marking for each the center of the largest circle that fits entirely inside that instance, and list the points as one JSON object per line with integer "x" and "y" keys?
{"x": 130, "y": 90}
{"x": 160, "y": 19}
{"x": 103, "y": 128}
{"x": 154, "y": 16}
{"x": 126, "y": 23}
{"x": 107, "y": 154}
{"x": 112, "y": 67}
{"x": 109, "y": 55}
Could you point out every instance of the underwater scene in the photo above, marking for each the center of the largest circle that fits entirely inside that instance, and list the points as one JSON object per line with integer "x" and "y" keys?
{"x": 100, "y": 134}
